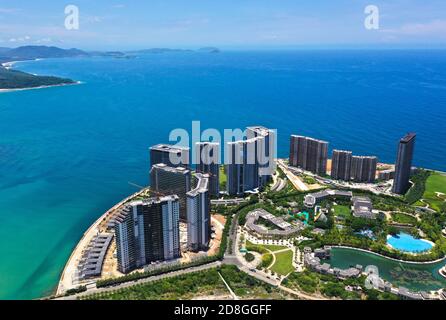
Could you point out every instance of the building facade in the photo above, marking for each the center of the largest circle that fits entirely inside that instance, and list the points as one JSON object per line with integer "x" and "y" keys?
{"x": 166, "y": 180}
{"x": 249, "y": 162}
{"x": 266, "y": 151}
{"x": 403, "y": 164}
{"x": 363, "y": 169}
{"x": 198, "y": 214}
{"x": 208, "y": 162}
{"x": 173, "y": 156}
{"x": 242, "y": 170}
{"x": 147, "y": 231}
{"x": 309, "y": 154}
{"x": 341, "y": 165}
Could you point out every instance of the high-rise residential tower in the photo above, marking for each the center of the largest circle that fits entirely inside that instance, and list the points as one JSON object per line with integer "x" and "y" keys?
{"x": 173, "y": 156}
{"x": 341, "y": 164}
{"x": 242, "y": 171}
{"x": 166, "y": 180}
{"x": 265, "y": 149}
{"x": 363, "y": 169}
{"x": 403, "y": 164}
{"x": 198, "y": 214}
{"x": 250, "y": 162}
{"x": 208, "y": 161}
{"x": 147, "y": 231}
{"x": 309, "y": 154}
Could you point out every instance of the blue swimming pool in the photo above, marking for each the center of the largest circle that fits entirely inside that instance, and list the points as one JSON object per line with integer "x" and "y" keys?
{"x": 406, "y": 242}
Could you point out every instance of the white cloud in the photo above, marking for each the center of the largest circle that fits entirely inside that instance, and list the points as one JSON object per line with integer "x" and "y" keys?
{"x": 435, "y": 27}
{"x": 44, "y": 40}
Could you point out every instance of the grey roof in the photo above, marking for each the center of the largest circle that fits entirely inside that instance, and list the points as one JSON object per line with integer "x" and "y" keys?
{"x": 285, "y": 228}
{"x": 165, "y": 167}
{"x": 309, "y": 138}
{"x": 362, "y": 208}
{"x": 92, "y": 259}
{"x": 168, "y": 148}
{"x": 202, "y": 185}
{"x": 405, "y": 293}
{"x": 312, "y": 198}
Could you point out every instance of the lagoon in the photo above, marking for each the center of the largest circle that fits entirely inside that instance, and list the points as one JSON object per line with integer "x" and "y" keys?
{"x": 413, "y": 276}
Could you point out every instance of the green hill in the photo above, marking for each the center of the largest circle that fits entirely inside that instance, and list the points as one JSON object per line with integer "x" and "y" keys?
{"x": 35, "y": 52}
{"x": 13, "y": 79}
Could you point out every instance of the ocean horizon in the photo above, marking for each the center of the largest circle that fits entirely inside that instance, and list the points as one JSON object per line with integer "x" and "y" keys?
{"x": 69, "y": 153}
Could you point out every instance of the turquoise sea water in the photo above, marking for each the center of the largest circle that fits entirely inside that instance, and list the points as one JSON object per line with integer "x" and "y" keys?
{"x": 405, "y": 242}
{"x": 68, "y": 153}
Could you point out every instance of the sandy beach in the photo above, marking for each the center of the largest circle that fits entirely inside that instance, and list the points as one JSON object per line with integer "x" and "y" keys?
{"x": 67, "y": 276}
{"x": 40, "y": 87}
{"x": 9, "y": 65}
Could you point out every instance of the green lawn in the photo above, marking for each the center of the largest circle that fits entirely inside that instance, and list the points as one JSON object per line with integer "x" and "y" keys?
{"x": 342, "y": 211}
{"x": 223, "y": 178}
{"x": 435, "y": 183}
{"x": 274, "y": 247}
{"x": 403, "y": 218}
{"x": 283, "y": 264}
{"x": 261, "y": 247}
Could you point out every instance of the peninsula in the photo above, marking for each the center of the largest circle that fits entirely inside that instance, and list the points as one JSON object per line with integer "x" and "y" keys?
{"x": 17, "y": 80}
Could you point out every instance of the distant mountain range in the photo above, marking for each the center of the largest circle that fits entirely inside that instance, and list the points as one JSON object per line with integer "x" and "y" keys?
{"x": 13, "y": 79}
{"x": 42, "y": 52}
{"x": 35, "y": 52}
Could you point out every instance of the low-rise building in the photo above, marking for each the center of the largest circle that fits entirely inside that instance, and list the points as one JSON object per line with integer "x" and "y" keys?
{"x": 313, "y": 262}
{"x": 409, "y": 295}
{"x": 362, "y": 208}
{"x": 282, "y": 228}
{"x": 92, "y": 260}
{"x": 312, "y": 199}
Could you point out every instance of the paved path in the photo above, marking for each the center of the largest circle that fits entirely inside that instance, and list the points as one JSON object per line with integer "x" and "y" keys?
{"x": 144, "y": 280}
{"x": 300, "y": 294}
{"x": 228, "y": 287}
{"x": 298, "y": 184}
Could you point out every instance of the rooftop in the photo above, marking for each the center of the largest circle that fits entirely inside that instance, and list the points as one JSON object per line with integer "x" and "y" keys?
{"x": 169, "y": 148}
{"x": 202, "y": 185}
{"x": 165, "y": 167}
{"x": 408, "y": 137}
{"x": 309, "y": 138}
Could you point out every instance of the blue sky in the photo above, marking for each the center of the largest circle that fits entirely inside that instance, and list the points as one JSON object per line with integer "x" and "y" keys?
{"x": 113, "y": 24}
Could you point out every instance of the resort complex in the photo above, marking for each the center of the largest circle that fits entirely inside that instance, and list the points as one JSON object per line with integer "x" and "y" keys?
{"x": 311, "y": 227}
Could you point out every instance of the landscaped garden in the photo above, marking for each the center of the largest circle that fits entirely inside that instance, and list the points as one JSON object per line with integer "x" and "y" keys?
{"x": 283, "y": 257}
{"x": 283, "y": 264}
{"x": 194, "y": 285}
{"x": 404, "y": 218}
{"x": 342, "y": 211}
{"x": 223, "y": 178}
{"x": 435, "y": 192}
{"x": 329, "y": 286}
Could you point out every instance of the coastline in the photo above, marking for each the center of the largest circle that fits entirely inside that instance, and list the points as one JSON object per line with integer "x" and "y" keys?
{"x": 390, "y": 258}
{"x": 41, "y": 87}
{"x": 70, "y": 265}
{"x": 10, "y": 65}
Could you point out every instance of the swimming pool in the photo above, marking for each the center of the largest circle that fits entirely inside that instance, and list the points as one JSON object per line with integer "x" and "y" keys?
{"x": 407, "y": 243}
